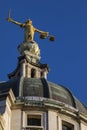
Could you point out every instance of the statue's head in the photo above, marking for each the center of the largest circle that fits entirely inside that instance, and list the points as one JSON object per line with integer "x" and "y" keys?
{"x": 28, "y": 21}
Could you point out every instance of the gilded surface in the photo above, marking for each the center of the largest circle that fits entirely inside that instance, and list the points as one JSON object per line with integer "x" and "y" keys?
{"x": 29, "y": 29}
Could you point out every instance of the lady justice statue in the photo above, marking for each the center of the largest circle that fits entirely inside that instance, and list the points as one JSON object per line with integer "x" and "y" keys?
{"x": 29, "y": 31}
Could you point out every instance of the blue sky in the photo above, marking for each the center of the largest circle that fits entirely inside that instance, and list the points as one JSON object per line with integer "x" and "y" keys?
{"x": 66, "y": 57}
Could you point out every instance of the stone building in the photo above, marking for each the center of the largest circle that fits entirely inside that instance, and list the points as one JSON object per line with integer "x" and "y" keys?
{"x": 28, "y": 101}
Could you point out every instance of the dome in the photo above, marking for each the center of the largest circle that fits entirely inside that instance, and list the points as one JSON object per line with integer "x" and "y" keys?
{"x": 28, "y": 101}
{"x": 40, "y": 87}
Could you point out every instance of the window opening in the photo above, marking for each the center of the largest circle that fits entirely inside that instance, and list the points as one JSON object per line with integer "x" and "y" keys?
{"x": 33, "y": 73}
{"x": 34, "y": 120}
{"x": 41, "y": 74}
{"x": 67, "y": 126}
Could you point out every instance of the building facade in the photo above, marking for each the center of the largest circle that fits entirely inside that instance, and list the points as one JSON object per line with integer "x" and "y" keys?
{"x": 28, "y": 101}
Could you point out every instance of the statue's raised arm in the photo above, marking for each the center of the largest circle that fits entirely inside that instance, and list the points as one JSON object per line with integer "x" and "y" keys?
{"x": 9, "y": 19}
{"x": 15, "y": 22}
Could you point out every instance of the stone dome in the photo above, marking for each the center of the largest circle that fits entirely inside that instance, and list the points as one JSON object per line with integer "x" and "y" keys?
{"x": 40, "y": 87}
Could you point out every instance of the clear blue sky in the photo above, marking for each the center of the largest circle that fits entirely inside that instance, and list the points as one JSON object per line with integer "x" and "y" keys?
{"x": 66, "y": 57}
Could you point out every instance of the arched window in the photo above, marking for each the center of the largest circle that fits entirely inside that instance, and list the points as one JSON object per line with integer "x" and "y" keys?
{"x": 41, "y": 74}
{"x": 33, "y": 73}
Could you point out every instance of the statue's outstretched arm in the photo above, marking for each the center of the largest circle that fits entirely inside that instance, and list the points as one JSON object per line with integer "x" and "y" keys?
{"x": 41, "y": 32}
{"x": 37, "y": 30}
{"x": 15, "y": 22}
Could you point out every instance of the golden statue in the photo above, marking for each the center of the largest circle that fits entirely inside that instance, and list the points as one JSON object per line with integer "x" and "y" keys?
{"x": 29, "y": 29}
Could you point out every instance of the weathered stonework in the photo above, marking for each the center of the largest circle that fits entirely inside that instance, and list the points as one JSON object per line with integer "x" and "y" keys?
{"x": 52, "y": 117}
{"x": 28, "y": 101}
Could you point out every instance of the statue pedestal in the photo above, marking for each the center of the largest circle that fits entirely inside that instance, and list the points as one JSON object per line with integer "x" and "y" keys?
{"x": 31, "y": 50}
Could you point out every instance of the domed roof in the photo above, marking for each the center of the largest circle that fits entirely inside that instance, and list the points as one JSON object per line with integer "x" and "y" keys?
{"x": 40, "y": 87}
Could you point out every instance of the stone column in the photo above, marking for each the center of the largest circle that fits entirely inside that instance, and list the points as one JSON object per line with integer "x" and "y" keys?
{"x": 22, "y": 69}
{"x": 28, "y": 71}
{"x": 59, "y": 122}
{"x": 52, "y": 120}
{"x": 37, "y": 74}
{"x": 45, "y": 74}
